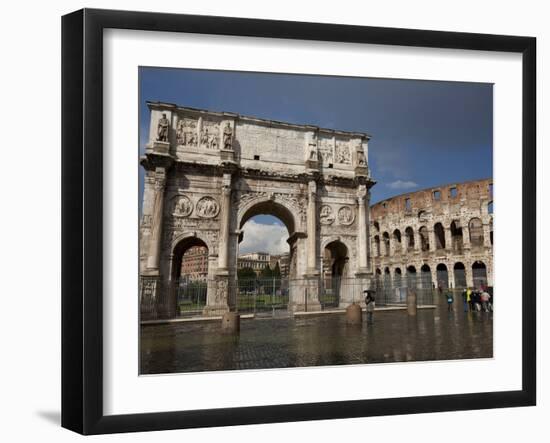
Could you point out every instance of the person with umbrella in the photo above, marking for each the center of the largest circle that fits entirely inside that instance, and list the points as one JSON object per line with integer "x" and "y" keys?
{"x": 370, "y": 304}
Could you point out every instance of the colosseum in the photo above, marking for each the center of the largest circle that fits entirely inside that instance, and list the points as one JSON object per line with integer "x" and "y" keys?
{"x": 439, "y": 237}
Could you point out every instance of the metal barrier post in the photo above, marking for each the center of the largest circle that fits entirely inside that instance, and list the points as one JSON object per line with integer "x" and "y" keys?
{"x": 254, "y": 301}
{"x": 273, "y": 297}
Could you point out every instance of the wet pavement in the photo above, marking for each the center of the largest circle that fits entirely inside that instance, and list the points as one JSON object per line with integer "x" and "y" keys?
{"x": 434, "y": 334}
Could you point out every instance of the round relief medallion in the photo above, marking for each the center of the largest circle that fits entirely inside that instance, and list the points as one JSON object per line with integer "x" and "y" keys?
{"x": 207, "y": 207}
{"x": 345, "y": 215}
{"x": 183, "y": 206}
{"x": 326, "y": 216}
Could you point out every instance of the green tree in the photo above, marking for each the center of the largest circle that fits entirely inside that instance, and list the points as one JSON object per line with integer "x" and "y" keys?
{"x": 246, "y": 274}
{"x": 266, "y": 272}
{"x": 277, "y": 271}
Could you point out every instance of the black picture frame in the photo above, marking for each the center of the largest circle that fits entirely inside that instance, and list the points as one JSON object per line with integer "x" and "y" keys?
{"x": 82, "y": 218}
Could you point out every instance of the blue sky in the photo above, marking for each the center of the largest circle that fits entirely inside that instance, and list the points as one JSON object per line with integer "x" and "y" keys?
{"x": 424, "y": 133}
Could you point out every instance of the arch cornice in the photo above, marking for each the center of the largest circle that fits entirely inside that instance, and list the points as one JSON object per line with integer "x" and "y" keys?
{"x": 188, "y": 235}
{"x": 290, "y": 203}
{"x": 333, "y": 238}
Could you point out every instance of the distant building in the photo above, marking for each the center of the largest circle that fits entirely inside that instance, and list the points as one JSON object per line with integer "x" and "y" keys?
{"x": 194, "y": 264}
{"x": 254, "y": 260}
{"x": 284, "y": 263}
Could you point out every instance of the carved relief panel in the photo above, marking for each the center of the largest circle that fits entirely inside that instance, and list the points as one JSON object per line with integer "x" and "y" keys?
{"x": 207, "y": 207}
{"x": 342, "y": 152}
{"x": 346, "y": 215}
{"x": 326, "y": 215}
{"x": 186, "y": 132}
{"x": 210, "y": 135}
{"x": 182, "y": 206}
{"x": 325, "y": 148}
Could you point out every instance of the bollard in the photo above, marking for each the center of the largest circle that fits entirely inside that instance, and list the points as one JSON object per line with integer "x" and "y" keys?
{"x": 354, "y": 315}
{"x": 231, "y": 323}
{"x": 411, "y": 302}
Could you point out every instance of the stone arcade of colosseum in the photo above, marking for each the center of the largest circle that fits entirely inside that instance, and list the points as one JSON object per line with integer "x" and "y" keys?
{"x": 207, "y": 173}
{"x": 441, "y": 236}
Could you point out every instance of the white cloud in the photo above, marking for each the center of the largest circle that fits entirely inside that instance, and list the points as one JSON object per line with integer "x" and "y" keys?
{"x": 402, "y": 184}
{"x": 263, "y": 237}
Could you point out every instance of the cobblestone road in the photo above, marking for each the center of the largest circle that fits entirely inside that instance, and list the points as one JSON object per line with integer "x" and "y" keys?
{"x": 434, "y": 334}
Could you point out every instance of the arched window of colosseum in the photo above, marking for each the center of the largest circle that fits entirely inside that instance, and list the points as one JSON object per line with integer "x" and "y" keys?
{"x": 476, "y": 232}
{"x": 397, "y": 240}
{"x": 376, "y": 246}
{"x": 460, "y": 275}
{"x": 439, "y": 232}
{"x": 442, "y": 276}
{"x": 490, "y": 207}
{"x": 437, "y": 195}
{"x": 422, "y": 215}
{"x": 409, "y": 235}
{"x": 479, "y": 274}
{"x": 425, "y": 277}
{"x": 397, "y": 278}
{"x": 456, "y": 235}
{"x": 379, "y": 283}
{"x": 491, "y": 230}
{"x": 387, "y": 277}
{"x": 386, "y": 238}
{"x": 376, "y": 226}
{"x": 411, "y": 277}
{"x": 424, "y": 239}
{"x": 453, "y": 193}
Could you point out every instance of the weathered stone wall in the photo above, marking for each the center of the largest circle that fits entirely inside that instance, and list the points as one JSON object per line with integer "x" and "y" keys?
{"x": 450, "y": 224}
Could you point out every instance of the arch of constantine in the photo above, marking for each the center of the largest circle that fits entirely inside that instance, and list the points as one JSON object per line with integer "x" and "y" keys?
{"x": 207, "y": 173}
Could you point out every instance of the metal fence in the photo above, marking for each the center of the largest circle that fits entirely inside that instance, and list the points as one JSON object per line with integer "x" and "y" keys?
{"x": 190, "y": 297}
{"x": 330, "y": 291}
{"x": 272, "y": 296}
{"x": 262, "y": 295}
{"x": 393, "y": 291}
{"x": 149, "y": 287}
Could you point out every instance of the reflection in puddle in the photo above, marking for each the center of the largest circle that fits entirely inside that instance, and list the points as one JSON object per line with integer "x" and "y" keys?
{"x": 317, "y": 341}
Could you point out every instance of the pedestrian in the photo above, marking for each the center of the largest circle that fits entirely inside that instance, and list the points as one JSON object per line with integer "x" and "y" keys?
{"x": 485, "y": 301}
{"x": 450, "y": 300}
{"x": 370, "y": 303}
{"x": 465, "y": 300}
{"x": 469, "y": 299}
{"x": 476, "y": 298}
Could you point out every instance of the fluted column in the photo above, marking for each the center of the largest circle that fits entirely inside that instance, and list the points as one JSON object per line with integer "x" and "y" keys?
{"x": 223, "y": 249}
{"x": 312, "y": 228}
{"x": 156, "y": 221}
{"x": 362, "y": 225}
